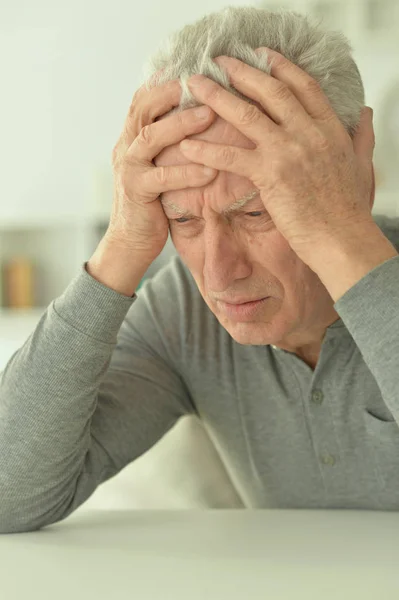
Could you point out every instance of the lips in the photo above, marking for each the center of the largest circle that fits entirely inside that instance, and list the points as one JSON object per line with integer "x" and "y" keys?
{"x": 243, "y": 311}
{"x": 239, "y": 302}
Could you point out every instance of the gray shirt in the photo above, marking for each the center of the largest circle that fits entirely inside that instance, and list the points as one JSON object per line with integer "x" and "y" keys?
{"x": 103, "y": 377}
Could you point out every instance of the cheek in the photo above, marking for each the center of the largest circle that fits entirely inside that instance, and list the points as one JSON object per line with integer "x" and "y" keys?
{"x": 294, "y": 275}
{"x": 271, "y": 248}
{"x": 191, "y": 251}
{"x": 273, "y": 253}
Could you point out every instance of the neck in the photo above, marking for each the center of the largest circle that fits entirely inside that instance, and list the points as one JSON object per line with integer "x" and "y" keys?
{"x": 307, "y": 345}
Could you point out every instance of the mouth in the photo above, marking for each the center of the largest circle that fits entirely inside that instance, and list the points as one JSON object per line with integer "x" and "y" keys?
{"x": 240, "y": 302}
{"x": 242, "y": 310}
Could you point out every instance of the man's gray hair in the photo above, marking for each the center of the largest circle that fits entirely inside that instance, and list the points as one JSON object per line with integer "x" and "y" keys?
{"x": 237, "y": 32}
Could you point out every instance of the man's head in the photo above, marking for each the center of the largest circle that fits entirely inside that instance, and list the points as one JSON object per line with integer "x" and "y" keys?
{"x": 222, "y": 231}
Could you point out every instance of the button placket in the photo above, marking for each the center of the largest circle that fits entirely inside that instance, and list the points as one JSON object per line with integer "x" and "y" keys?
{"x": 326, "y": 458}
{"x": 317, "y": 396}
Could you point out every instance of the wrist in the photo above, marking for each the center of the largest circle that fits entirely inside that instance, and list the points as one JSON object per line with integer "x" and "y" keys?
{"x": 118, "y": 267}
{"x": 346, "y": 259}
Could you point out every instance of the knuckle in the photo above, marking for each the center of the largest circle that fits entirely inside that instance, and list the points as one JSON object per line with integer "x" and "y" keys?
{"x": 327, "y": 114}
{"x": 235, "y": 67}
{"x": 320, "y": 141}
{"x": 161, "y": 175}
{"x": 136, "y": 119}
{"x": 283, "y": 163}
{"x": 136, "y": 96}
{"x": 184, "y": 119}
{"x": 280, "y": 92}
{"x": 248, "y": 115}
{"x": 118, "y": 152}
{"x": 115, "y": 154}
{"x": 131, "y": 128}
{"x": 124, "y": 169}
{"x": 213, "y": 93}
{"x": 324, "y": 144}
{"x": 227, "y": 155}
{"x": 145, "y": 136}
{"x": 185, "y": 172}
{"x": 131, "y": 115}
{"x": 312, "y": 87}
{"x": 297, "y": 154}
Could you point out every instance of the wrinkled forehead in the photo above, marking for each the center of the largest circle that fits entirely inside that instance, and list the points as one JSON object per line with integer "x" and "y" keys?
{"x": 219, "y": 132}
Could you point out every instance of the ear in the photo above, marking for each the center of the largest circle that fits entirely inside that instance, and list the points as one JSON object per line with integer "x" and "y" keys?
{"x": 372, "y": 195}
{"x": 364, "y": 138}
{"x": 363, "y": 145}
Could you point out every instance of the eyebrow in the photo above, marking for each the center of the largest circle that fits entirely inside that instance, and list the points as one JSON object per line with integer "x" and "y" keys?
{"x": 236, "y": 206}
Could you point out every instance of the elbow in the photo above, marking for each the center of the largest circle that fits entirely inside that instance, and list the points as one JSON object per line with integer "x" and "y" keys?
{"x": 21, "y": 518}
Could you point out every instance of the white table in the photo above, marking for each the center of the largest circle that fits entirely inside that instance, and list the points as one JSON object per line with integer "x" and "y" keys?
{"x": 206, "y": 555}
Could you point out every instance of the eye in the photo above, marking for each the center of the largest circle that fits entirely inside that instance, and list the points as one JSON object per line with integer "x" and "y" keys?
{"x": 180, "y": 220}
{"x": 255, "y": 213}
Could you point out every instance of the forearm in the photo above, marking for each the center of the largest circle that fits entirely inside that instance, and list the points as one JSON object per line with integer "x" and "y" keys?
{"x": 344, "y": 260}
{"x": 48, "y": 393}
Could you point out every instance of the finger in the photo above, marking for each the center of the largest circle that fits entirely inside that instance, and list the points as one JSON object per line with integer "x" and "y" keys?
{"x": 157, "y": 136}
{"x": 154, "y": 78}
{"x": 302, "y": 85}
{"x": 147, "y": 105}
{"x": 246, "y": 117}
{"x": 163, "y": 179}
{"x": 223, "y": 158}
{"x": 274, "y": 96}
{"x": 364, "y": 138}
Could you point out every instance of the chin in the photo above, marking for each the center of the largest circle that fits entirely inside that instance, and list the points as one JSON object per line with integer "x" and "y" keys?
{"x": 269, "y": 327}
{"x": 251, "y": 334}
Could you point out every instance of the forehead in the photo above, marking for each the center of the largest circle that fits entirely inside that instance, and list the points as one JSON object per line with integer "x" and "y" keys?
{"x": 225, "y": 188}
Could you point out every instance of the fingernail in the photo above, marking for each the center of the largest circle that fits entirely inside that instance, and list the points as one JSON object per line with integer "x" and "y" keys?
{"x": 209, "y": 171}
{"x": 187, "y": 144}
{"x": 202, "y": 113}
{"x": 224, "y": 61}
{"x": 262, "y": 50}
{"x": 195, "y": 80}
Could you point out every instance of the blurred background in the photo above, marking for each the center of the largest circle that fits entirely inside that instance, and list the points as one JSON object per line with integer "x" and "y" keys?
{"x": 68, "y": 74}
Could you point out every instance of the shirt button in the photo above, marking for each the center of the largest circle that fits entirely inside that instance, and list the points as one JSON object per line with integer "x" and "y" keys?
{"x": 327, "y": 459}
{"x": 317, "y": 396}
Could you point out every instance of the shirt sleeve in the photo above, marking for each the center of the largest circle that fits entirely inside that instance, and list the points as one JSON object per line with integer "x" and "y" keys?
{"x": 370, "y": 311}
{"x": 85, "y": 395}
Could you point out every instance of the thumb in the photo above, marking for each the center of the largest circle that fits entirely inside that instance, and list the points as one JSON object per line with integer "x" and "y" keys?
{"x": 364, "y": 139}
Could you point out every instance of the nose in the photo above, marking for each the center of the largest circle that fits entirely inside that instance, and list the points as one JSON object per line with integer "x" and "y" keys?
{"x": 225, "y": 258}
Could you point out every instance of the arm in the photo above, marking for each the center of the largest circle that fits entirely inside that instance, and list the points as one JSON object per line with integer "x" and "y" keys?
{"x": 343, "y": 261}
{"x": 83, "y": 397}
{"x": 362, "y": 277}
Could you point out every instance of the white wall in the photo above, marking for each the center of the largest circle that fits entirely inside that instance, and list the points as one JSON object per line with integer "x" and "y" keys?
{"x": 68, "y": 73}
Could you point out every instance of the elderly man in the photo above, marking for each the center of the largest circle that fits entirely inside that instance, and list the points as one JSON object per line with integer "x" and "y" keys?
{"x": 277, "y": 324}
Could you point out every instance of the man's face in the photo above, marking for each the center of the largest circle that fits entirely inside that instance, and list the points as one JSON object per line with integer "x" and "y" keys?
{"x": 240, "y": 257}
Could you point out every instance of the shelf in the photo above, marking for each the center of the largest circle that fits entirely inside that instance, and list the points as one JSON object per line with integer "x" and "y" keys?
{"x": 52, "y": 222}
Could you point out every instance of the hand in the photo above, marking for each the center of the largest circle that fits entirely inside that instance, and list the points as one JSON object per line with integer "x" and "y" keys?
{"x": 314, "y": 180}
{"x": 138, "y": 221}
